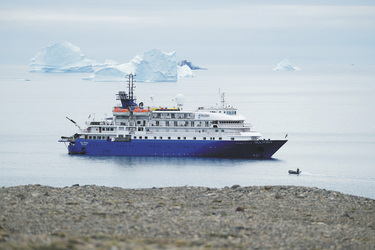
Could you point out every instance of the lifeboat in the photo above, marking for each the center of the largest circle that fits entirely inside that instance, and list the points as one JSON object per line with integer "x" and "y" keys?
{"x": 141, "y": 112}
{"x": 121, "y": 111}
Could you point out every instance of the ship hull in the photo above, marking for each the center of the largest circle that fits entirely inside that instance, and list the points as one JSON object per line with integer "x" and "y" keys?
{"x": 258, "y": 149}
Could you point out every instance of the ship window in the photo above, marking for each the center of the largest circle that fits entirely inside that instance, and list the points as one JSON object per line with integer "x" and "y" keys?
{"x": 184, "y": 138}
{"x": 140, "y": 137}
{"x": 135, "y": 137}
{"x": 146, "y": 137}
{"x": 179, "y": 138}
{"x": 220, "y": 138}
{"x": 169, "y": 137}
{"x": 204, "y": 138}
{"x": 161, "y": 138}
{"x": 194, "y": 138}
{"x": 121, "y": 128}
{"x": 232, "y": 138}
{"x": 155, "y": 137}
{"x": 90, "y": 137}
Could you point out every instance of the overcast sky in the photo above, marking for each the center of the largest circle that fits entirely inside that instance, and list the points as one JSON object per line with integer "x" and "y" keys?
{"x": 206, "y": 32}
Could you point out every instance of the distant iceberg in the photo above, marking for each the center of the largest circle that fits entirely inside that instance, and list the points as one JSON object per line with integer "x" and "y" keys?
{"x": 61, "y": 57}
{"x": 184, "y": 71}
{"x": 285, "y": 65}
{"x": 155, "y": 66}
{"x": 151, "y": 66}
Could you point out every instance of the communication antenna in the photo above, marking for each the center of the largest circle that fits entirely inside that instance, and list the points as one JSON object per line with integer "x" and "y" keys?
{"x": 222, "y": 98}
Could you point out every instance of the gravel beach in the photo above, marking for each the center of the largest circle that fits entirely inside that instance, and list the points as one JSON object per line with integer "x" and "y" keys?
{"x": 267, "y": 217}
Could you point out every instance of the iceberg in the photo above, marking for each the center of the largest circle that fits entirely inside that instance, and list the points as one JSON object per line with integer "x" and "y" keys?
{"x": 285, "y": 65}
{"x": 151, "y": 66}
{"x": 184, "y": 71}
{"x": 155, "y": 66}
{"x": 108, "y": 74}
{"x": 61, "y": 57}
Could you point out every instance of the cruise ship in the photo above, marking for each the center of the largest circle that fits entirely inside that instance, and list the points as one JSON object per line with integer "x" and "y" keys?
{"x": 138, "y": 130}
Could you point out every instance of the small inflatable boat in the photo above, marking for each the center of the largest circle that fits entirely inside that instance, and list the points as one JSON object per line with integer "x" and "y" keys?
{"x": 294, "y": 172}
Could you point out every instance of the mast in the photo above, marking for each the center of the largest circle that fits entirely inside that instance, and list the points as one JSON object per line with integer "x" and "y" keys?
{"x": 128, "y": 100}
{"x": 130, "y": 84}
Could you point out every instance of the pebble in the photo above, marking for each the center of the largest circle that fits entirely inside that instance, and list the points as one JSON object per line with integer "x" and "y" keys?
{"x": 268, "y": 217}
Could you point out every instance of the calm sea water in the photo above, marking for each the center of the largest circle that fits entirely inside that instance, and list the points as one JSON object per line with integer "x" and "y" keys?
{"x": 327, "y": 112}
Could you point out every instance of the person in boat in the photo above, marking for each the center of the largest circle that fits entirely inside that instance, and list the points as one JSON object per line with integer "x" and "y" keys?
{"x": 297, "y": 170}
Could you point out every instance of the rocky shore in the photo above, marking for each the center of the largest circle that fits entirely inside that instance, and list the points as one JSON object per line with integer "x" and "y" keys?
{"x": 269, "y": 217}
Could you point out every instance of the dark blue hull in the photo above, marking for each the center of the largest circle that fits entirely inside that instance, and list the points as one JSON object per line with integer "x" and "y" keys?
{"x": 178, "y": 148}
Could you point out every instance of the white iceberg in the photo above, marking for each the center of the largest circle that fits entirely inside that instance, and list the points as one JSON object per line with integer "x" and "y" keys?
{"x": 184, "y": 71}
{"x": 285, "y": 65}
{"x": 151, "y": 66}
{"x": 61, "y": 57}
{"x": 155, "y": 66}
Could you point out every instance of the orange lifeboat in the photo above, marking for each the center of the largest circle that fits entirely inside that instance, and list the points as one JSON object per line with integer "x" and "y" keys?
{"x": 141, "y": 112}
{"x": 121, "y": 111}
